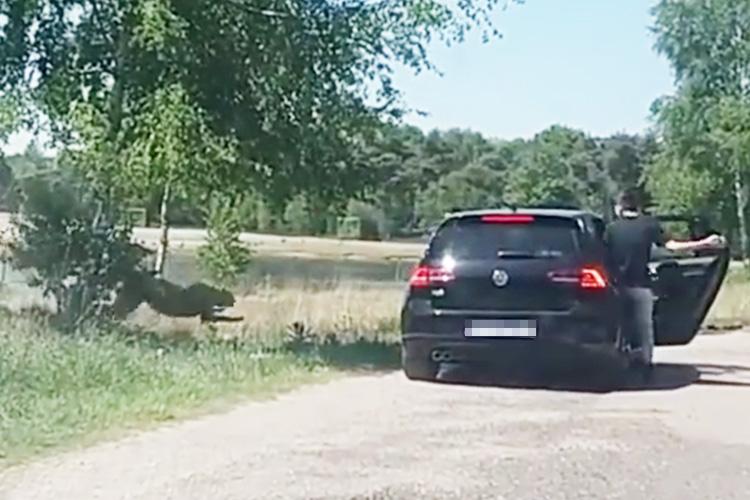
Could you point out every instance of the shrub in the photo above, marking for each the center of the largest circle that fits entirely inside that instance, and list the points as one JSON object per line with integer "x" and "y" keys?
{"x": 224, "y": 257}
{"x": 297, "y": 216}
{"x": 76, "y": 245}
{"x": 372, "y": 221}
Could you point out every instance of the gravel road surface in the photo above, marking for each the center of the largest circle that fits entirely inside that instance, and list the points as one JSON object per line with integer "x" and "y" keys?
{"x": 685, "y": 436}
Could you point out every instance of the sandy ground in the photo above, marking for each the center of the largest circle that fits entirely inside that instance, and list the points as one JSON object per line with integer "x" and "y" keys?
{"x": 298, "y": 246}
{"x": 302, "y": 246}
{"x": 685, "y": 436}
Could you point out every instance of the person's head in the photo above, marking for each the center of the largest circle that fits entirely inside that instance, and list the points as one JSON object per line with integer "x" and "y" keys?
{"x": 629, "y": 201}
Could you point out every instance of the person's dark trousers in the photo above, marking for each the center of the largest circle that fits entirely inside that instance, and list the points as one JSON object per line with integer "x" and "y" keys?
{"x": 638, "y": 321}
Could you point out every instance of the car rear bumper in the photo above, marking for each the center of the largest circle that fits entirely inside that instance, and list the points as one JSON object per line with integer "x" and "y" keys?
{"x": 503, "y": 353}
{"x": 586, "y": 330}
{"x": 592, "y": 326}
{"x": 514, "y": 344}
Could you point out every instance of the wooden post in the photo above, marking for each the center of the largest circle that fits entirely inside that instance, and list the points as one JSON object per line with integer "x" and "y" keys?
{"x": 161, "y": 252}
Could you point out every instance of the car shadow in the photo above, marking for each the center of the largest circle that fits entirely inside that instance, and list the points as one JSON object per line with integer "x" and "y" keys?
{"x": 725, "y": 371}
{"x": 664, "y": 377}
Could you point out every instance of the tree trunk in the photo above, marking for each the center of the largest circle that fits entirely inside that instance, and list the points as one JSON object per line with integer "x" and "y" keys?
{"x": 741, "y": 200}
{"x": 161, "y": 252}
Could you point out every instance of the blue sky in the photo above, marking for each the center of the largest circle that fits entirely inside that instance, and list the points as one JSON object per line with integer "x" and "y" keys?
{"x": 587, "y": 64}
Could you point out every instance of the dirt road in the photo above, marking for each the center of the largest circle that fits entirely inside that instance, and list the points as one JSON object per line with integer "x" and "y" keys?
{"x": 384, "y": 437}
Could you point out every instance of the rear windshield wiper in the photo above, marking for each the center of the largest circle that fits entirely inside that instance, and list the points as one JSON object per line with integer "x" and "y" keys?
{"x": 520, "y": 254}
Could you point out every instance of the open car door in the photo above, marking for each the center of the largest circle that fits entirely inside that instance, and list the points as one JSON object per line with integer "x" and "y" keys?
{"x": 686, "y": 285}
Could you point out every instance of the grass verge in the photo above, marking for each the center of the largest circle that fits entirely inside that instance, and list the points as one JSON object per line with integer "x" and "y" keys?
{"x": 731, "y": 310}
{"x": 347, "y": 309}
{"x": 58, "y": 391}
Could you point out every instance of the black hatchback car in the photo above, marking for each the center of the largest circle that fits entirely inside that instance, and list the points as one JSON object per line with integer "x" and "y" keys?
{"x": 528, "y": 286}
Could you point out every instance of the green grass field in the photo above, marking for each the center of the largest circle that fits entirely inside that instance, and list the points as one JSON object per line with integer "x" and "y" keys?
{"x": 59, "y": 391}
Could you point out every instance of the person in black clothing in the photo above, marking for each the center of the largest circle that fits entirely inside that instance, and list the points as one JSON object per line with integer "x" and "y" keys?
{"x": 629, "y": 241}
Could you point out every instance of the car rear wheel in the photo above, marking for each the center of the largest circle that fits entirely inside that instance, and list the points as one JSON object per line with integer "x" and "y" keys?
{"x": 416, "y": 368}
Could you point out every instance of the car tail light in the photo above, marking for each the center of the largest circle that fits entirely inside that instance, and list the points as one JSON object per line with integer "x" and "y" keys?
{"x": 508, "y": 219}
{"x": 588, "y": 278}
{"x": 426, "y": 276}
{"x": 593, "y": 278}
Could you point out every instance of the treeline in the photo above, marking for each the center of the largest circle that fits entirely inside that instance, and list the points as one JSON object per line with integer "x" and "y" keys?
{"x": 413, "y": 178}
{"x": 420, "y": 177}
{"x": 408, "y": 179}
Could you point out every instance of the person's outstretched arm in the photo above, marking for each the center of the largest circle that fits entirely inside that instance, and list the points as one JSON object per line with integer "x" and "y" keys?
{"x": 662, "y": 239}
{"x": 713, "y": 241}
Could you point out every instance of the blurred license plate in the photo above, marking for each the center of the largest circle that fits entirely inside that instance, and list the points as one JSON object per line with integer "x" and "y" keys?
{"x": 514, "y": 328}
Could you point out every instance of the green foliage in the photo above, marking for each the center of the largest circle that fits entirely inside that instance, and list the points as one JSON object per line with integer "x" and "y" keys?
{"x": 75, "y": 246}
{"x": 349, "y": 228}
{"x": 15, "y": 168}
{"x": 705, "y": 126}
{"x": 678, "y": 186}
{"x": 684, "y": 172}
{"x": 59, "y": 391}
{"x": 31, "y": 162}
{"x": 473, "y": 186}
{"x": 297, "y": 216}
{"x": 707, "y": 43}
{"x": 267, "y": 221}
{"x": 249, "y": 209}
{"x": 173, "y": 145}
{"x": 224, "y": 256}
{"x": 9, "y": 120}
{"x": 555, "y": 169}
{"x": 10, "y": 116}
{"x": 416, "y": 178}
{"x": 273, "y": 97}
{"x": 137, "y": 216}
{"x": 368, "y": 221}
{"x": 8, "y": 198}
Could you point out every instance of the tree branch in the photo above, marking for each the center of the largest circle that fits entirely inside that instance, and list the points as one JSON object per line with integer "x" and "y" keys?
{"x": 260, "y": 12}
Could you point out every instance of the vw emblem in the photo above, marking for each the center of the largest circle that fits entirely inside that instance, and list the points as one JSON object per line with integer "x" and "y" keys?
{"x": 500, "y": 278}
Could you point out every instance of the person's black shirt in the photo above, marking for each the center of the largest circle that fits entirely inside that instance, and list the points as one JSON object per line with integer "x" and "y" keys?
{"x": 629, "y": 242}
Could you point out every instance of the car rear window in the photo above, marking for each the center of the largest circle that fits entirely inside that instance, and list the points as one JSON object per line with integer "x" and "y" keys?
{"x": 471, "y": 238}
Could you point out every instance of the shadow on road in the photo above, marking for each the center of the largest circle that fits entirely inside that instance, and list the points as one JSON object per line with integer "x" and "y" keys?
{"x": 363, "y": 355}
{"x": 378, "y": 356}
{"x": 664, "y": 377}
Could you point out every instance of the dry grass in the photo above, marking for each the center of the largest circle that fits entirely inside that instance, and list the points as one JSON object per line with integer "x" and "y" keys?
{"x": 347, "y": 310}
{"x": 732, "y": 306}
{"x": 351, "y": 310}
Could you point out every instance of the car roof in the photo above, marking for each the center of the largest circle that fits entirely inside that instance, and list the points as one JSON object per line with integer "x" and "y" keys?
{"x": 541, "y": 212}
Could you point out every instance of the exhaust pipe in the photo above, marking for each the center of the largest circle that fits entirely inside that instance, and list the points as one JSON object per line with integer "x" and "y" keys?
{"x": 440, "y": 356}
